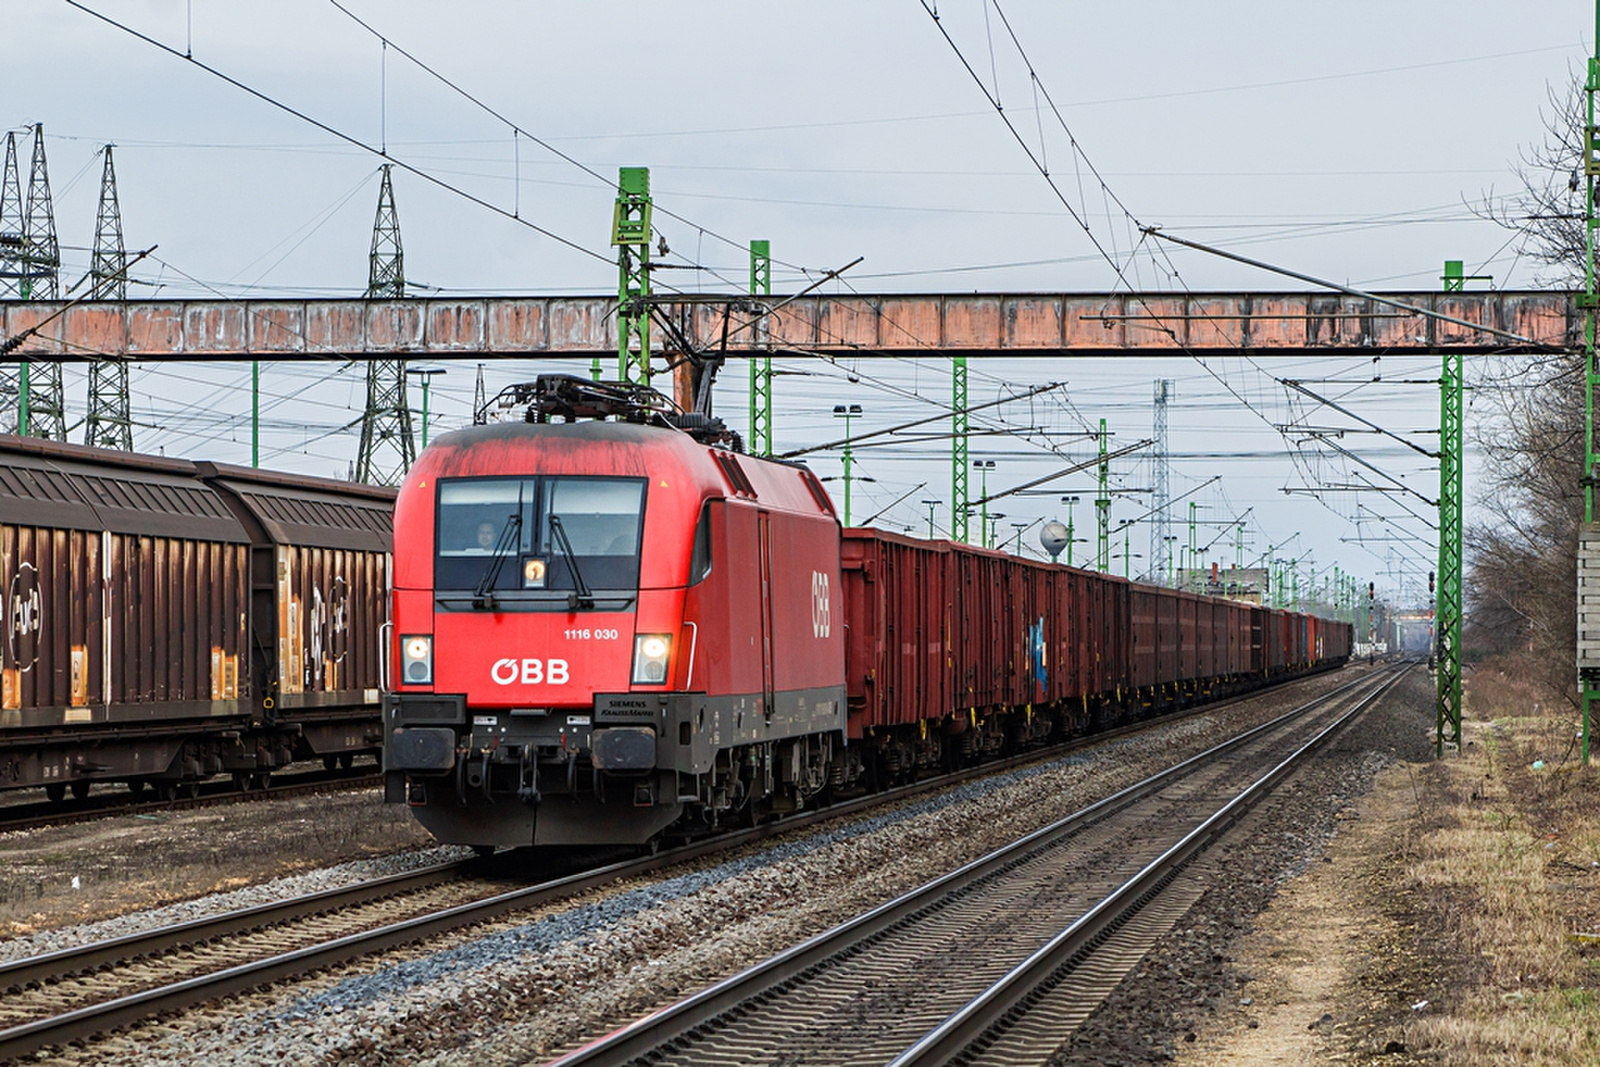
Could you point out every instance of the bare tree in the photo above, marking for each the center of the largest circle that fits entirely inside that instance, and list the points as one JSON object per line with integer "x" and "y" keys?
{"x": 1546, "y": 214}
{"x": 1521, "y": 580}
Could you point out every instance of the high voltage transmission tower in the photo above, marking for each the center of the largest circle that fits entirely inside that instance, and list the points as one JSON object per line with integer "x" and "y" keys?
{"x": 10, "y": 272}
{"x": 30, "y": 266}
{"x": 1161, "y": 528}
{"x": 387, "y": 446}
{"x": 110, "y": 420}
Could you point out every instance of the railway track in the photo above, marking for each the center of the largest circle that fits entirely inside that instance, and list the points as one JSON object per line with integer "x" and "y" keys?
{"x": 78, "y": 993}
{"x": 33, "y": 815}
{"x": 995, "y": 962}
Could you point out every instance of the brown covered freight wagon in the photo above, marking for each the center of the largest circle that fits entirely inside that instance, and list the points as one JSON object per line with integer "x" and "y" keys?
{"x": 139, "y": 643}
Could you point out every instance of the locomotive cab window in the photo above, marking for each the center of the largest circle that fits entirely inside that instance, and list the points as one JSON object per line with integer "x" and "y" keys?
{"x": 700, "y": 555}
{"x": 514, "y": 542}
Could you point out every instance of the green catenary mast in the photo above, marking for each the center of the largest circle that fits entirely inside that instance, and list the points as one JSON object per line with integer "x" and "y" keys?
{"x": 958, "y": 449}
{"x": 1447, "y": 613}
{"x": 1102, "y": 508}
{"x": 630, "y": 232}
{"x": 1591, "y": 296}
{"x": 761, "y": 366}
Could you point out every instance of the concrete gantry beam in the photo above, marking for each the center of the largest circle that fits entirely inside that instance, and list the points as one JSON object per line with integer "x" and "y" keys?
{"x": 974, "y": 325}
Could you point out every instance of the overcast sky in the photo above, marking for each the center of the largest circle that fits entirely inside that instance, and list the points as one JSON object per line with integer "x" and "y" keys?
{"x": 1346, "y": 141}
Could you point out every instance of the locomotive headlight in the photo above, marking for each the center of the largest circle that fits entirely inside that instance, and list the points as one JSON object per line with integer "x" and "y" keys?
{"x": 416, "y": 654}
{"x": 533, "y": 574}
{"x": 650, "y": 654}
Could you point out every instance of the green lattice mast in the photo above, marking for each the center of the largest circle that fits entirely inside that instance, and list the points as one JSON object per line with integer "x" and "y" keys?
{"x": 761, "y": 366}
{"x": 958, "y": 449}
{"x": 1447, "y": 612}
{"x": 1586, "y": 560}
{"x": 630, "y": 232}
{"x": 1102, "y": 509}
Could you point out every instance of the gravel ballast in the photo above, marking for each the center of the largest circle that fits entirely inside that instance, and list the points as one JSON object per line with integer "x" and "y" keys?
{"x": 514, "y": 991}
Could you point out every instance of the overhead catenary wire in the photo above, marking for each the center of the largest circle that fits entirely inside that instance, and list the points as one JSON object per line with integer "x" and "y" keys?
{"x": 518, "y": 130}
{"x": 1120, "y": 266}
{"x": 338, "y": 133}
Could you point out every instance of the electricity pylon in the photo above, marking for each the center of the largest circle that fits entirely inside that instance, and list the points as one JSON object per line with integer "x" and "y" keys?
{"x": 110, "y": 421}
{"x": 41, "y": 407}
{"x": 10, "y": 275}
{"x": 41, "y": 255}
{"x": 387, "y": 446}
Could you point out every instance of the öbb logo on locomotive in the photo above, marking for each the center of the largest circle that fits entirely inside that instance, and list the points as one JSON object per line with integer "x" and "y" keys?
{"x": 530, "y": 671}
{"x": 821, "y": 613}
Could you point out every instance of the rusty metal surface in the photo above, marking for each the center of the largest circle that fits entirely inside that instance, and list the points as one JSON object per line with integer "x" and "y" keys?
{"x": 119, "y": 627}
{"x": 330, "y": 605}
{"x": 1011, "y": 324}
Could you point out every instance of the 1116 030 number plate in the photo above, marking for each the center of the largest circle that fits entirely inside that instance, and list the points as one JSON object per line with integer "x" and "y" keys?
{"x": 586, "y": 633}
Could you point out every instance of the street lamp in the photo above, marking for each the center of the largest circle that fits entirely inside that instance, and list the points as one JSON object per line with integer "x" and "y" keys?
{"x": 1172, "y": 561}
{"x": 983, "y": 467}
{"x": 994, "y": 525}
{"x": 1127, "y": 526}
{"x": 931, "y": 505}
{"x": 846, "y": 412}
{"x": 426, "y": 374}
{"x": 1019, "y": 527}
{"x": 1069, "y": 501}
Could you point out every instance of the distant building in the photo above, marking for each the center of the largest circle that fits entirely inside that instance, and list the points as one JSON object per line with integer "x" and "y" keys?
{"x": 1248, "y": 584}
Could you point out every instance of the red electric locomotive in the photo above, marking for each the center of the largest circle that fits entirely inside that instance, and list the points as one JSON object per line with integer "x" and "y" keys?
{"x": 613, "y": 625}
{"x": 606, "y": 622}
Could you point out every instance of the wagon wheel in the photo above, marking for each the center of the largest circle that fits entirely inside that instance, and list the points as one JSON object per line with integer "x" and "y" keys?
{"x": 242, "y": 781}
{"x": 80, "y": 788}
{"x": 136, "y": 787}
{"x": 167, "y": 790}
{"x": 56, "y": 791}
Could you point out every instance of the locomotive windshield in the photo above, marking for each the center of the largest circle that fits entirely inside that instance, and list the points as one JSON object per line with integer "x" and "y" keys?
{"x": 529, "y": 542}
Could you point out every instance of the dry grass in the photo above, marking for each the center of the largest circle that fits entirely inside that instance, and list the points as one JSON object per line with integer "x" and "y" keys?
{"x": 1506, "y": 864}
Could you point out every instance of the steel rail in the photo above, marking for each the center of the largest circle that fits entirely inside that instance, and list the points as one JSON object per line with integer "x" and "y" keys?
{"x": 966, "y": 1026}
{"x": 105, "y": 806}
{"x": 63, "y": 963}
{"x": 82, "y": 1023}
{"x": 641, "y": 1037}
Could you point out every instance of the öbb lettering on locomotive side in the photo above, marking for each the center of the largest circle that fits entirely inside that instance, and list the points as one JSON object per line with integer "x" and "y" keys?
{"x": 764, "y": 658}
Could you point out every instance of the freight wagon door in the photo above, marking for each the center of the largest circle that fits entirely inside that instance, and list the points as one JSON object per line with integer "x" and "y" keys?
{"x": 765, "y": 520}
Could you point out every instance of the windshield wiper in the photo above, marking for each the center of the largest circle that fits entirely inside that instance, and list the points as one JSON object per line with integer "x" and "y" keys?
{"x": 505, "y": 544}
{"x": 580, "y": 597}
